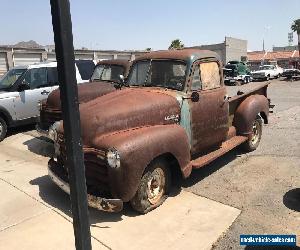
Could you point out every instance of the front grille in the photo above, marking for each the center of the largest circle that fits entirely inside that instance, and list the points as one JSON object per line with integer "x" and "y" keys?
{"x": 96, "y": 169}
{"x": 48, "y": 117}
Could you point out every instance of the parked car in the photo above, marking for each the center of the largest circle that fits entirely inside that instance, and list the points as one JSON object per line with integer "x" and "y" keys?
{"x": 236, "y": 73}
{"x": 174, "y": 117}
{"x": 23, "y": 87}
{"x": 289, "y": 74}
{"x": 105, "y": 76}
{"x": 267, "y": 72}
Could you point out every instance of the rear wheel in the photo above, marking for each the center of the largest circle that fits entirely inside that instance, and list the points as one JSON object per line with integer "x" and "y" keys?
{"x": 255, "y": 137}
{"x": 3, "y": 129}
{"x": 154, "y": 187}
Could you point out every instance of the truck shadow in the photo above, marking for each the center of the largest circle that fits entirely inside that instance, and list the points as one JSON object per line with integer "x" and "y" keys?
{"x": 40, "y": 146}
{"x": 55, "y": 197}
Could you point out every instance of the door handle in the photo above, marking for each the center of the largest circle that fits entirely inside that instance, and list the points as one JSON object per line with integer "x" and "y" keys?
{"x": 45, "y": 92}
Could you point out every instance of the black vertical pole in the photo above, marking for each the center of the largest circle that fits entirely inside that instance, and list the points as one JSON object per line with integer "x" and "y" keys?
{"x": 63, "y": 37}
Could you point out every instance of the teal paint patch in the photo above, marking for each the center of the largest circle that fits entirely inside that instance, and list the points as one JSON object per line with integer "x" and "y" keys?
{"x": 185, "y": 118}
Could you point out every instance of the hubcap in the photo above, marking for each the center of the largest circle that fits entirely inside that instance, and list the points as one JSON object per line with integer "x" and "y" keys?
{"x": 156, "y": 185}
{"x": 255, "y": 131}
{"x": 1, "y": 128}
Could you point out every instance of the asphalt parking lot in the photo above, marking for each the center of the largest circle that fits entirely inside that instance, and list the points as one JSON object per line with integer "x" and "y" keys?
{"x": 259, "y": 191}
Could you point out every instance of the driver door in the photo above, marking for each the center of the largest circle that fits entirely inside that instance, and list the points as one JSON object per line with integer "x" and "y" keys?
{"x": 26, "y": 103}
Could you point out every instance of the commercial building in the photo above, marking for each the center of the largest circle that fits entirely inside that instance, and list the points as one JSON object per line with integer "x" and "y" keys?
{"x": 284, "y": 58}
{"x": 229, "y": 50}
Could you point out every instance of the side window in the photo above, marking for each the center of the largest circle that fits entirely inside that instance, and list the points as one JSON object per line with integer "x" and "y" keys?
{"x": 196, "y": 83}
{"x": 36, "y": 77}
{"x": 52, "y": 76}
{"x": 210, "y": 75}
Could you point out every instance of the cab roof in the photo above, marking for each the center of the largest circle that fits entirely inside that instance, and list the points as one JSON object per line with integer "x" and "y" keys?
{"x": 181, "y": 54}
{"x": 121, "y": 62}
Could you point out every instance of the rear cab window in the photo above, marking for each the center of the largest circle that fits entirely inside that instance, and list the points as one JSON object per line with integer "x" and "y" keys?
{"x": 85, "y": 68}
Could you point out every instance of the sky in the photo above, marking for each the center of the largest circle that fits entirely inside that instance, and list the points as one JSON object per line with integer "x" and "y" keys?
{"x": 137, "y": 25}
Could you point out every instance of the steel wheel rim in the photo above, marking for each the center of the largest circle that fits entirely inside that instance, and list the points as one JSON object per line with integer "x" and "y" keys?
{"x": 1, "y": 128}
{"x": 255, "y": 133}
{"x": 156, "y": 186}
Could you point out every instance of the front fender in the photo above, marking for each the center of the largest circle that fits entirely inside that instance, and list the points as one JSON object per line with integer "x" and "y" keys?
{"x": 247, "y": 111}
{"x": 137, "y": 148}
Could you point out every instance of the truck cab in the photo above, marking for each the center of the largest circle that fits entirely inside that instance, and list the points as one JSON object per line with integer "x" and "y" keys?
{"x": 175, "y": 115}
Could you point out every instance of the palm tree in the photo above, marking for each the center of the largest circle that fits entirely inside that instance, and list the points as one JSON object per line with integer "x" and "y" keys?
{"x": 176, "y": 44}
{"x": 296, "y": 28}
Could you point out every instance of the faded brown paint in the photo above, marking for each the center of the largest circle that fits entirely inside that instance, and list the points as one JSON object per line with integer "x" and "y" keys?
{"x": 247, "y": 112}
{"x": 51, "y": 110}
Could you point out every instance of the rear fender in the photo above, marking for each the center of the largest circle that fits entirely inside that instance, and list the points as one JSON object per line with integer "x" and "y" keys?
{"x": 137, "y": 148}
{"x": 247, "y": 111}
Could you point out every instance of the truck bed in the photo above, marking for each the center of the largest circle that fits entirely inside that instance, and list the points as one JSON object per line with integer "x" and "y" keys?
{"x": 237, "y": 92}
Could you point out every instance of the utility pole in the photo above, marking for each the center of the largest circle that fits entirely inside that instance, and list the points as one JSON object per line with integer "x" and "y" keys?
{"x": 63, "y": 37}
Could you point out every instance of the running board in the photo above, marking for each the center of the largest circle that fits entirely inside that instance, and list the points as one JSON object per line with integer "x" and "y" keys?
{"x": 226, "y": 146}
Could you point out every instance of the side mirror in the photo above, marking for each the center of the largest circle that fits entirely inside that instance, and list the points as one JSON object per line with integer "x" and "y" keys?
{"x": 195, "y": 97}
{"x": 122, "y": 78}
{"x": 23, "y": 86}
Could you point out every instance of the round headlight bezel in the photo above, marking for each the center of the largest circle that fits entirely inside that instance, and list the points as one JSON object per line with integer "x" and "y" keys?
{"x": 52, "y": 133}
{"x": 113, "y": 158}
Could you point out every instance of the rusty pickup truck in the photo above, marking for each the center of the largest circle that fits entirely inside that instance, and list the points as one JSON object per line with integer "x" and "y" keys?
{"x": 175, "y": 115}
{"x": 103, "y": 80}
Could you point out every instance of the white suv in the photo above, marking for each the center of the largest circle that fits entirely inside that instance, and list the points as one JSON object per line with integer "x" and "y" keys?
{"x": 23, "y": 87}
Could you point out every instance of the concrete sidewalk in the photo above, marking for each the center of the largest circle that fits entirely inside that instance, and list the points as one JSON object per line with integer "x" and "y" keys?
{"x": 35, "y": 214}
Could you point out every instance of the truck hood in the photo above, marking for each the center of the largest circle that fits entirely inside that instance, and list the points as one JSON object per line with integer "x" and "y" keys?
{"x": 125, "y": 109}
{"x": 86, "y": 92}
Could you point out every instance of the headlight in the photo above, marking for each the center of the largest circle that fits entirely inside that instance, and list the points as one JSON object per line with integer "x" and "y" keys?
{"x": 113, "y": 158}
{"x": 52, "y": 134}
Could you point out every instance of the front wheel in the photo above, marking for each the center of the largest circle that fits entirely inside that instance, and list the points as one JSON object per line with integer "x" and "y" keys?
{"x": 3, "y": 129}
{"x": 252, "y": 143}
{"x": 154, "y": 187}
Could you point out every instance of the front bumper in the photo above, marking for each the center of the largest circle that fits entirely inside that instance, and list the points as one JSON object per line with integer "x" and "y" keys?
{"x": 103, "y": 204}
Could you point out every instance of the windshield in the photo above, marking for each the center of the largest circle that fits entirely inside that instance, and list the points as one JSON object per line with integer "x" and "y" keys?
{"x": 266, "y": 67}
{"x": 159, "y": 73}
{"x": 109, "y": 73}
{"x": 10, "y": 78}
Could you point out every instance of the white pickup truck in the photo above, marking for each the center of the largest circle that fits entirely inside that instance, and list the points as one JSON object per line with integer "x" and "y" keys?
{"x": 267, "y": 72}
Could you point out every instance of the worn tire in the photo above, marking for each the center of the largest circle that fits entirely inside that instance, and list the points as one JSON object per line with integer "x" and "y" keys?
{"x": 3, "y": 128}
{"x": 144, "y": 201}
{"x": 253, "y": 142}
